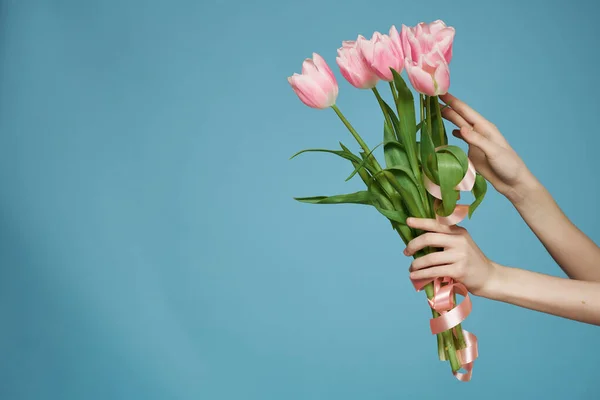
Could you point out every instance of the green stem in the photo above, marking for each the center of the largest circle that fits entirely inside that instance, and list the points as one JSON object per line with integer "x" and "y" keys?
{"x": 449, "y": 346}
{"x": 428, "y": 200}
{"x": 381, "y": 104}
{"x": 394, "y": 92}
{"x": 351, "y": 129}
{"x": 389, "y": 122}
{"x": 435, "y": 103}
{"x": 356, "y": 136}
{"x": 428, "y": 114}
{"x": 446, "y": 338}
{"x": 459, "y": 338}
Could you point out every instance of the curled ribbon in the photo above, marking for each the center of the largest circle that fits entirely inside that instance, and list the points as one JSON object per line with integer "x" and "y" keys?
{"x": 444, "y": 288}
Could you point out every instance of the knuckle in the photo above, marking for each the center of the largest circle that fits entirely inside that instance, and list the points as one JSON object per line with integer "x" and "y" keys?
{"x": 461, "y": 269}
{"x": 461, "y": 254}
{"x": 443, "y": 228}
{"x": 463, "y": 238}
{"x": 426, "y": 238}
{"x": 418, "y": 275}
{"x": 460, "y": 230}
{"x": 488, "y": 125}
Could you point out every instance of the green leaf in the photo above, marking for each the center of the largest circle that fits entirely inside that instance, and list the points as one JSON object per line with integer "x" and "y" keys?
{"x": 362, "y": 197}
{"x": 479, "y": 190}
{"x": 363, "y": 163}
{"x": 407, "y": 128}
{"x": 393, "y": 215}
{"x": 399, "y": 169}
{"x": 404, "y": 182}
{"x": 342, "y": 153}
{"x": 428, "y": 155}
{"x": 459, "y": 154}
{"x": 385, "y": 207}
{"x": 419, "y": 125}
{"x": 364, "y": 175}
{"x": 438, "y": 130}
{"x": 451, "y": 173}
{"x": 394, "y": 152}
{"x": 388, "y": 133}
{"x": 395, "y": 122}
{"x": 395, "y": 155}
{"x": 383, "y": 184}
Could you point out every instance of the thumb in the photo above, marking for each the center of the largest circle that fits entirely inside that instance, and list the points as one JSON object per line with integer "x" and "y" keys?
{"x": 473, "y": 138}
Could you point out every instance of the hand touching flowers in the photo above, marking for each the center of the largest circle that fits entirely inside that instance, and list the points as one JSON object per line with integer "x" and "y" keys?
{"x": 460, "y": 259}
{"x": 488, "y": 149}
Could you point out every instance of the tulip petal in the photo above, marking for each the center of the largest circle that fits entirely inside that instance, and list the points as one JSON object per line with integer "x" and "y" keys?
{"x": 354, "y": 67}
{"x": 316, "y": 86}
{"x": 436, "y": 26}
{"x": 442, "y": 78}
{"x": 425, "y": 38}
{"x": 313, "y": 92}
{"x": 397, "y": 42}
{"x": 421, "y": 80}
{"x": 323, "y": 67}
{"x": 308, "y": 66}
{"x": 300, "y": 93}
{"x": 366, "y": 48}
{"x": 406, "y": 48}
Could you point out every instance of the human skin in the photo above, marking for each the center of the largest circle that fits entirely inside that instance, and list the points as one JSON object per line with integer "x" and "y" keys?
{"x": 577, "y": 298}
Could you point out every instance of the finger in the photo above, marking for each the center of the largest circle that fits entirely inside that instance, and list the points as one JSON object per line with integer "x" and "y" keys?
{"x": 433, "y": 272}
{"x": 489, "y": 148}
{"x": 454, "y": 117}
{"x": 456, "y": 133}
{"x": 430, "y": 225}
{"x": 433, "y": 259}
{"x": 470, "y": 115}
{"x": 428, "y": 240}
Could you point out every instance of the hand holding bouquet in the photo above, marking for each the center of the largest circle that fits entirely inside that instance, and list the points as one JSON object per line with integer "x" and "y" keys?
{"x": 421, "y": 178}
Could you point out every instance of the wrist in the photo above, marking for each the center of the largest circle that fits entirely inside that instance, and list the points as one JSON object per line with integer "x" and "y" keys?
{"x": 524, "y": 191}
{"x": 490, "y": 289}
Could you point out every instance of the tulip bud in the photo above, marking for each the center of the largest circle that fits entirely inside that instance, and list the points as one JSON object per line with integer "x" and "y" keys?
{"x": 354, "y": 67}
{"x": 430, "y": 76}
{"x": 428, "y": 39}
{"x": 316, "y": 86}
{"x": 428, "y": 51}
{"x": 383, "y": 52}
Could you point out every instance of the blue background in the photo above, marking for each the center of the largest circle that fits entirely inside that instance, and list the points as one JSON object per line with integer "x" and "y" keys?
{"x": 149, "y": 244}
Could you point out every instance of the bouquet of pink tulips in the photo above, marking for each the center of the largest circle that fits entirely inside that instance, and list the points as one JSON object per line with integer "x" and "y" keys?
{"x": 423, "y": 175}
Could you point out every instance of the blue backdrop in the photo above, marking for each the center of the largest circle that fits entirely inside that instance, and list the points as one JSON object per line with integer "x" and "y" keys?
{"x": 149, "y": 244}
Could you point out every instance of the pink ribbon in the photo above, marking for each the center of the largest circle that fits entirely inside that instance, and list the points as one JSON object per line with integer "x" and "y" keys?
{"x": 444, "y": 288}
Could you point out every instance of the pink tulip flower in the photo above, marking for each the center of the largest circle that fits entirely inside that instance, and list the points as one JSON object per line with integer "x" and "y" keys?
{"x": 354, "y": 67}
{"x": 383, "y": 52}
{"x": 428, "y": 39}
{"x": 316, "y": 86}
{"x": 428, "y": 51}
{"x": 430, "y": 76}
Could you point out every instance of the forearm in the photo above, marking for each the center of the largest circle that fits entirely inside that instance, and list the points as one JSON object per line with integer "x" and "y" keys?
{"x": 576, "y": 253}
{"x": 568, "y": 298}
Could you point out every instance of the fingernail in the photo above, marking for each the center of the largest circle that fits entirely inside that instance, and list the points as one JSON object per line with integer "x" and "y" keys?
{"x": 409, "y": 221}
